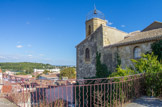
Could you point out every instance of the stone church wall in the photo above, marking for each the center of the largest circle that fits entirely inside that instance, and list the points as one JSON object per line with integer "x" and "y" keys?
{"x": 109, "y": 58}
{"x": 112, "y": 35}
{"x": 127, "y": 52}
{"x": 94, "y": 43}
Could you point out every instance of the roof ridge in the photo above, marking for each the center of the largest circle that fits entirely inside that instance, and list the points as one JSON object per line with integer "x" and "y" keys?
{"x": 147, "y": 28}
{"x": 115, "y": 29}
{"x": 151, "y": 34}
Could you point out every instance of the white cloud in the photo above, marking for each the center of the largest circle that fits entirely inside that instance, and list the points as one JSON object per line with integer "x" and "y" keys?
{"x": 19, "y": 46}
{"x": 27, "y": 22}
{"x": 122, "y": 25}
{"x": 109, "y": 23}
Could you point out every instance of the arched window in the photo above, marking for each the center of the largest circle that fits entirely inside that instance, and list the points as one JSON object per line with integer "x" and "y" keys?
{"x": 89, "y": 30}
{"x": 137, "y": 52}
{"x": 87, "y": 54}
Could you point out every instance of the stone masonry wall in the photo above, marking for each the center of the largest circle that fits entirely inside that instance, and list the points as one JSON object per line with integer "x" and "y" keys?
{"x": 109, "y": 58}
{"x": 112, "y": 35}
{"x": 126, "y": 52}
{"x": 94, "y": 43}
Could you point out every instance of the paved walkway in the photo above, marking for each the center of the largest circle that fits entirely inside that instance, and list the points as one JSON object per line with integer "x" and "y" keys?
{"x": 6, "y": 103}
{"x": 145, "y": 102}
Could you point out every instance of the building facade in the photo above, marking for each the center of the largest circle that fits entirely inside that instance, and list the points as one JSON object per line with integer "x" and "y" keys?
{"x": 111, "y": 42}
{"x": 56, "y": 70}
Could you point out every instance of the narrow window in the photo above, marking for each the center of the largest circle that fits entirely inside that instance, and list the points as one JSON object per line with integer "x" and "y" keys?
{"x": 89, "y": 30}
{"x": 137, "y": 52}
{"x": 87, "y": 54}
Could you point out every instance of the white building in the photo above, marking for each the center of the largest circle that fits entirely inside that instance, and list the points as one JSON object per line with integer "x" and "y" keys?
{"x": 51, "y": 70}
{"x": 10, "y": 72}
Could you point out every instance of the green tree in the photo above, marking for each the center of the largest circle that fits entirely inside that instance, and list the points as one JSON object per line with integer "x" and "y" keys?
{"x": 152, "y": 68}
{"x": 118, "y": 59}
{"x": 147, "y": 63}
{"x": 101, "y": 69}
{"x": 68, "y": 72}
{"x": 46, "y": 72}
{"x": 122, "y": 72}
{"x": 157, "y": 49}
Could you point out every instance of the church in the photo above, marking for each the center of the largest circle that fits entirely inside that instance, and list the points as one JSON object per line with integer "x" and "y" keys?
{"x": 111, "y": 42}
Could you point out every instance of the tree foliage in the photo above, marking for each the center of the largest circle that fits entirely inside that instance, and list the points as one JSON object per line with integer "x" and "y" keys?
{"x": 118, "y": 59}
{"x": 23, "y": 68}
{"x": 101, "y": 69}
{"x": 152, "y": 68}
{"x": 68, "y": 72}
{"x": 122, "y": 72}
{"x": 157, "y": 49}
{"x": 46, "y": 72}
{"x": 148, "y": 63}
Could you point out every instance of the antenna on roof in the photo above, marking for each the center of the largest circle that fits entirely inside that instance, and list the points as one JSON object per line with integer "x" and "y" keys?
{"x": 95, "y": 12}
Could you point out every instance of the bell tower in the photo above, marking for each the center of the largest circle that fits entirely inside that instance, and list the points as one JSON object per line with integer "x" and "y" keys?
{"x": 94, "y": 20}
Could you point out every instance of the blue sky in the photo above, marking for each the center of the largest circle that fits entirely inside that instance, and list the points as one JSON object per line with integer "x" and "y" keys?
{"x": 47, "y": 31}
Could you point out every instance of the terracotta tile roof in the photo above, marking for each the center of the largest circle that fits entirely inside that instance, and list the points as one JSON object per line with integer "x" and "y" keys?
{"x": 6, "y": 88}
{"x": 151, "y": 35}
{"x": 23, "y": 76}
{"x": 0, "y": 71}
{"x": 50, "y": 75}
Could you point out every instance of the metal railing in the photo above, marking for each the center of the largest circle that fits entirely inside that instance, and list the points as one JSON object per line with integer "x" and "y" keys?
{"x": 100, "y": 92}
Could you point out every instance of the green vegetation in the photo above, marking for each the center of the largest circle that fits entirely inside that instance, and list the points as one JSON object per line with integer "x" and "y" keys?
{"x": 148, "y": 63}
{"x": 118, "y": 59}
{"x": 101, "y": 69}
{"x": 157, "y": 49}
{"x": 68, "y": 72}
{"x": 122, "y": 72}
{"x": 27, "y": 67}
{"x": 152, "y": 68}
{"x": 46, "y": 72}
{"x": 21, "y": 73}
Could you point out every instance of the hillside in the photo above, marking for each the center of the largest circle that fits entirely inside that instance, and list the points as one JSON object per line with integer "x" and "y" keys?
{"x": 27, "y": 66}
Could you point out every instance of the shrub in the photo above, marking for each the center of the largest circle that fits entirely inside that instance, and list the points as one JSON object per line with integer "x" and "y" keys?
{"x": 46, "y": 72}
{"x": 122, "y": 72}
{"x": 147, "y": 63}
{"x": 157, "y": 49}
{"x": 68, "y": 72}
{"x": 101, "y": 69}
{"x": 153, "y": 84}
{"x": 152, "y": 68}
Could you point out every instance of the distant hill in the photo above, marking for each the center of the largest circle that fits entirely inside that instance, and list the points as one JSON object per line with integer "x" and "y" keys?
{"x": 27, "y": 66}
